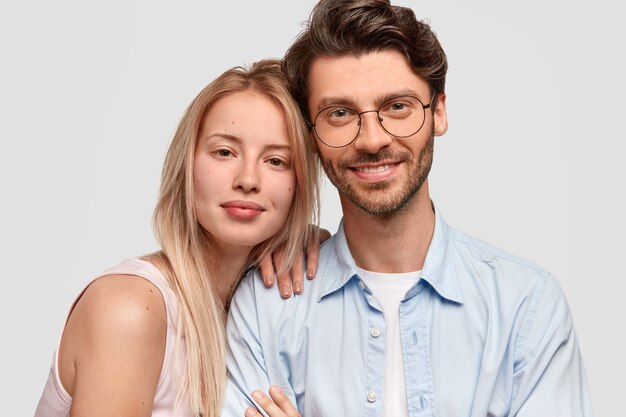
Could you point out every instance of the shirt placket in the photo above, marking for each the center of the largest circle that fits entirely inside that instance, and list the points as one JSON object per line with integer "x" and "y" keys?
{"x": 415, "y": 336}
{"x": 375, "y": 356}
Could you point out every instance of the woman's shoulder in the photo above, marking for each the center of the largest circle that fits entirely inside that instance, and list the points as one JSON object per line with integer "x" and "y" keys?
{"x": 119, "y": 319}
{"x": 125, "y": 298}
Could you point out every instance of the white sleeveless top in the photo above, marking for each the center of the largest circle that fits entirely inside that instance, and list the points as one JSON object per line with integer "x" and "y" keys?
{"x": 56, "y": 402}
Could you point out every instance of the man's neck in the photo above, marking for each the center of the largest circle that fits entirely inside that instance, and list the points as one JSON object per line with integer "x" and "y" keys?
{"x": 397, "y": 243}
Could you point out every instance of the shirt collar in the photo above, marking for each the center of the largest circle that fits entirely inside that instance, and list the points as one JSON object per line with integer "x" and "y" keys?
{"x": 438, "y": 270}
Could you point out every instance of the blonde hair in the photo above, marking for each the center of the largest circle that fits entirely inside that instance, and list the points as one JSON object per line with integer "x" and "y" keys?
{"x": 188, "y": 254}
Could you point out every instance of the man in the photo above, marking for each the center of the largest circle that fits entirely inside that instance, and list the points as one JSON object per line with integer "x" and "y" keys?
{"x": 407, "y": 316}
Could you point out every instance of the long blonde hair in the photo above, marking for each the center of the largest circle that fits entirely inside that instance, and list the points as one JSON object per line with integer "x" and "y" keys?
{"x": 188, "y": 254}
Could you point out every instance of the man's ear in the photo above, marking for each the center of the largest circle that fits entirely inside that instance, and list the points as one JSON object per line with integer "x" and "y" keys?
{"x": 316, "y": 146}
{"x": 440, "y": 116}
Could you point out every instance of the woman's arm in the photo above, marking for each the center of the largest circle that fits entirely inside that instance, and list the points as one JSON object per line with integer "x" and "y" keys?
{"x": 112, "y": 348}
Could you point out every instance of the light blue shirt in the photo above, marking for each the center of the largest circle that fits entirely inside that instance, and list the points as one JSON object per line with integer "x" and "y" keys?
{"x": 484, "y": 333}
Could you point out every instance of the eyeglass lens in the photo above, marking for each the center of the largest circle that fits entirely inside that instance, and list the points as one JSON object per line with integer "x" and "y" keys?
{"x": 401, "y": 117}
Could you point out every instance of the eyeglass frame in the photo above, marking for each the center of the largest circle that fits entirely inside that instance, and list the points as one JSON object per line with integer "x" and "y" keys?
{"x": 378, "y": 118}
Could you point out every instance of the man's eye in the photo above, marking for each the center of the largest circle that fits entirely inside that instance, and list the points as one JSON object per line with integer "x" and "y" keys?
{"x": 338, "y": 113}
{"x": 397, "y": 108}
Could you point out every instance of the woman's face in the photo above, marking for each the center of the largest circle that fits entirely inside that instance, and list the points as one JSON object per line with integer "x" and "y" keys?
{"x": 243, "y": 175}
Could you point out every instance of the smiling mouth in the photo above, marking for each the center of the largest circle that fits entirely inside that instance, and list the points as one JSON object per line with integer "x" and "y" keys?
{"x": 375, "y": 172}
{"x": 372, "y": 170}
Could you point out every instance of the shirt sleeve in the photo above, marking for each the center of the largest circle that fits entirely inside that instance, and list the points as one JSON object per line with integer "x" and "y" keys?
{"x": 549, "y": 376}
{"x": 246, "y": 361}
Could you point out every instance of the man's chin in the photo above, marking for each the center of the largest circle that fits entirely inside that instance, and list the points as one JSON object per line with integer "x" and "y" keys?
{"x": 378, "y": 202}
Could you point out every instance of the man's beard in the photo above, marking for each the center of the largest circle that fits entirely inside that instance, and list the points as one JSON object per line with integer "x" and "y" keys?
{"x": 379, "y": 198}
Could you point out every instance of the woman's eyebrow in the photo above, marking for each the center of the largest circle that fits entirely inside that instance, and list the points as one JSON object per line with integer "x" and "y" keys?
{"x": 239, "y": 141}
{"x": 277, "y": 147}
{"x": 223, "y": 136}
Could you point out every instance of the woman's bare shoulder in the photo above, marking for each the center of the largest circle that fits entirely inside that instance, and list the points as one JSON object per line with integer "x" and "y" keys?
{"x": 117, "y": 329}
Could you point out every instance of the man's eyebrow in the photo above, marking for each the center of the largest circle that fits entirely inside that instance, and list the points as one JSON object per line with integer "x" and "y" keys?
{"x": 393, "y": 94}
{"x": 336, "y": 101}
{"x": 346, "y": 101}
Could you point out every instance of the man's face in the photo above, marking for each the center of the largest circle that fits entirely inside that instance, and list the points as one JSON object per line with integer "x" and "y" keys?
{"x": 377, "y": 172}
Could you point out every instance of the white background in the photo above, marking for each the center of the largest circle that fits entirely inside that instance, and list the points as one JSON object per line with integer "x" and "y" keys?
{"x": 90, "y": 95}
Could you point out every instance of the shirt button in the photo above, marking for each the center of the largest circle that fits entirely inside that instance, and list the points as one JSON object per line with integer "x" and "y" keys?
{"x": 371, "y": 397}
{"x": 375, "y": 332}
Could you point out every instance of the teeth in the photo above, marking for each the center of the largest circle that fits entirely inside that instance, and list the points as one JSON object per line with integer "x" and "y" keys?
{"x": 373, "y": 169}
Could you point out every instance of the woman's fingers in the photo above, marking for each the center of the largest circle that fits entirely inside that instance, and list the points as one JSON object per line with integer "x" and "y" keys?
{"x": 266, "y": 404}
{"x": 296, "y": 273}
{"x": 290, "y": 282}
{"x": 282, "y": 401}
{"x": 313, "y": 251}
{"x": 276, "y": 406}
{"x": 252, "y": 412}
{"x": 284, "y": 279}
{"x": 267, "y": 270}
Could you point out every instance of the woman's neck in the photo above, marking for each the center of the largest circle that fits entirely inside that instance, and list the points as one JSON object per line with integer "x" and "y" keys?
{"x": 232, "y": 262}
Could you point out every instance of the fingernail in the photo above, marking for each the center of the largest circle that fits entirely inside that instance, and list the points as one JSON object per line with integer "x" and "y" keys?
{"x": 250, "y": 411}
{"x": 275, "y": 390}
{"x": 298, "y": 287}
{"x": 257, "y": 395}
{"x": 285, "y": 291}
{"x": 310, "y": 273}
{"x": 268, "y": 282}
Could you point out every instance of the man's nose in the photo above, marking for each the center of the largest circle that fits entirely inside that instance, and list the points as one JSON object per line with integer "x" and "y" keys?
{"x": 372, "y": 137}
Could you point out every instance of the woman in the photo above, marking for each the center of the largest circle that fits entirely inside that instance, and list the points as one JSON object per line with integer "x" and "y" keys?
{"x": 147, "y": 337}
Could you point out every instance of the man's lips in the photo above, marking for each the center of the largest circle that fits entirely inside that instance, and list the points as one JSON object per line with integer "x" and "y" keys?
{"x": 379, "y": 171}
{"x": 243, "y": 210}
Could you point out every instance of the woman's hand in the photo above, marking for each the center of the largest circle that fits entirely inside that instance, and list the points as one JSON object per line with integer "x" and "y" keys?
{"x": 292, "y": 282}
{"x": 276, "y": 406}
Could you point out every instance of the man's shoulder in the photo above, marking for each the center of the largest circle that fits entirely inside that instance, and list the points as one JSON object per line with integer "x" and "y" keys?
{"x": 501, "y": 262}
{"x": 490, "y": 274}
{"x": 252, "y": 288}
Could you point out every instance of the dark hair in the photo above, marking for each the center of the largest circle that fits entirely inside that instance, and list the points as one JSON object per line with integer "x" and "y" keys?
{"x": 356, "y": 27}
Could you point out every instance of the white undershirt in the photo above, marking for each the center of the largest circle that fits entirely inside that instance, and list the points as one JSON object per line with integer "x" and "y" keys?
{"x": 388, "y": 290}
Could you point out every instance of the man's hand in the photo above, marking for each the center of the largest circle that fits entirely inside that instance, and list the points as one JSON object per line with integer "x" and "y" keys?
{"x": 292, "y": 282}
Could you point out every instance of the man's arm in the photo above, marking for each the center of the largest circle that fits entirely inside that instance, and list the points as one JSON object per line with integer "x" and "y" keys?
{"x": 549, "y": 376}
{"x": 248, "y": 367}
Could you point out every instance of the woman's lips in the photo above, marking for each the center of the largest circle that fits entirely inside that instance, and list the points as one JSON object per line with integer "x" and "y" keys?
{"x": 243, "y": 210}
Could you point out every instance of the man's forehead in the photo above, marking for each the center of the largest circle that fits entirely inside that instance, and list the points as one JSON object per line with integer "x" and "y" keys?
{"x": 362, "y": 79}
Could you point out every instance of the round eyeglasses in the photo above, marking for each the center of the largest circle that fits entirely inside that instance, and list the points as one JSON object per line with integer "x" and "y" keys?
{"x": 401, "y": 117}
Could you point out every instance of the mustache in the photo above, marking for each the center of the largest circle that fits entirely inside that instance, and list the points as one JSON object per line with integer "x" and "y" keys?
{"x": 369, "y": 158}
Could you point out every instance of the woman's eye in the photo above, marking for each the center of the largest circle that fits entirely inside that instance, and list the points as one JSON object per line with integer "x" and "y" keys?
{"x": 224, "y": 152}
{"x": 277, "y": 162}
